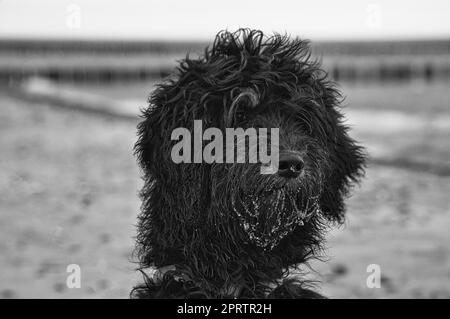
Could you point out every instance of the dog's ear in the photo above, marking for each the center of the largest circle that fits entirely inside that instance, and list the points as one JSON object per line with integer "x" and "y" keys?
{"x": 150, "y": 140}
{"x": 347, "y": 161}
{"x": 153, "y": 148}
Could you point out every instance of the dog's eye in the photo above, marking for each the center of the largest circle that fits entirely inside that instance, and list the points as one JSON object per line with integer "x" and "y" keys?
{"x": 241, "y": 116}
{"x": 241, "y": 105}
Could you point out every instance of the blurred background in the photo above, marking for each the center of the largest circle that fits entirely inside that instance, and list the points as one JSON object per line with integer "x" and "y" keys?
{"x": 74, "y": 74}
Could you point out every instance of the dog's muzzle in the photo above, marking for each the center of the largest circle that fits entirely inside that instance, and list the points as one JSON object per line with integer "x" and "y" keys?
{"x": 268, "y": 217}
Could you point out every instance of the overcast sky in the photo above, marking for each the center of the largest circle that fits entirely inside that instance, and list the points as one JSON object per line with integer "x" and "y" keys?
{"x": 201, "y": 19}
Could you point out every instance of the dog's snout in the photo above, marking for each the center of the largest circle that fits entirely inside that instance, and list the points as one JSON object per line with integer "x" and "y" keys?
{"x": 290, "y": 165}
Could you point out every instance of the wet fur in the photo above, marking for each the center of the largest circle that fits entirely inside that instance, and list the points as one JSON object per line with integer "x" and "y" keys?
{"x": 187, "y": 218}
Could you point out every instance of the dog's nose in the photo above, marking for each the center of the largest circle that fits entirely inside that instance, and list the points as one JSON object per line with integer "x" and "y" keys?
{"x": 290, "y": 165}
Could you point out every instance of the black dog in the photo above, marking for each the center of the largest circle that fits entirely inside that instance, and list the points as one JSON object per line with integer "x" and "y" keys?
{"x": 221, "y": 230}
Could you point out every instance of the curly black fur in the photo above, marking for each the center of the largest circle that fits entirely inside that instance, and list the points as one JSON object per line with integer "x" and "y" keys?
{"x": 188, "y": 216}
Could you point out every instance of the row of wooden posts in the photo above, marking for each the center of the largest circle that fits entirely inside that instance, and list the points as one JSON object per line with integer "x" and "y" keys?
{"x": 401, "y": 72}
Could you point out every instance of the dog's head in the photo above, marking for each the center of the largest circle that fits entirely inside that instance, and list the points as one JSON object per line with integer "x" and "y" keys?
{"x": 249, "y": 82}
